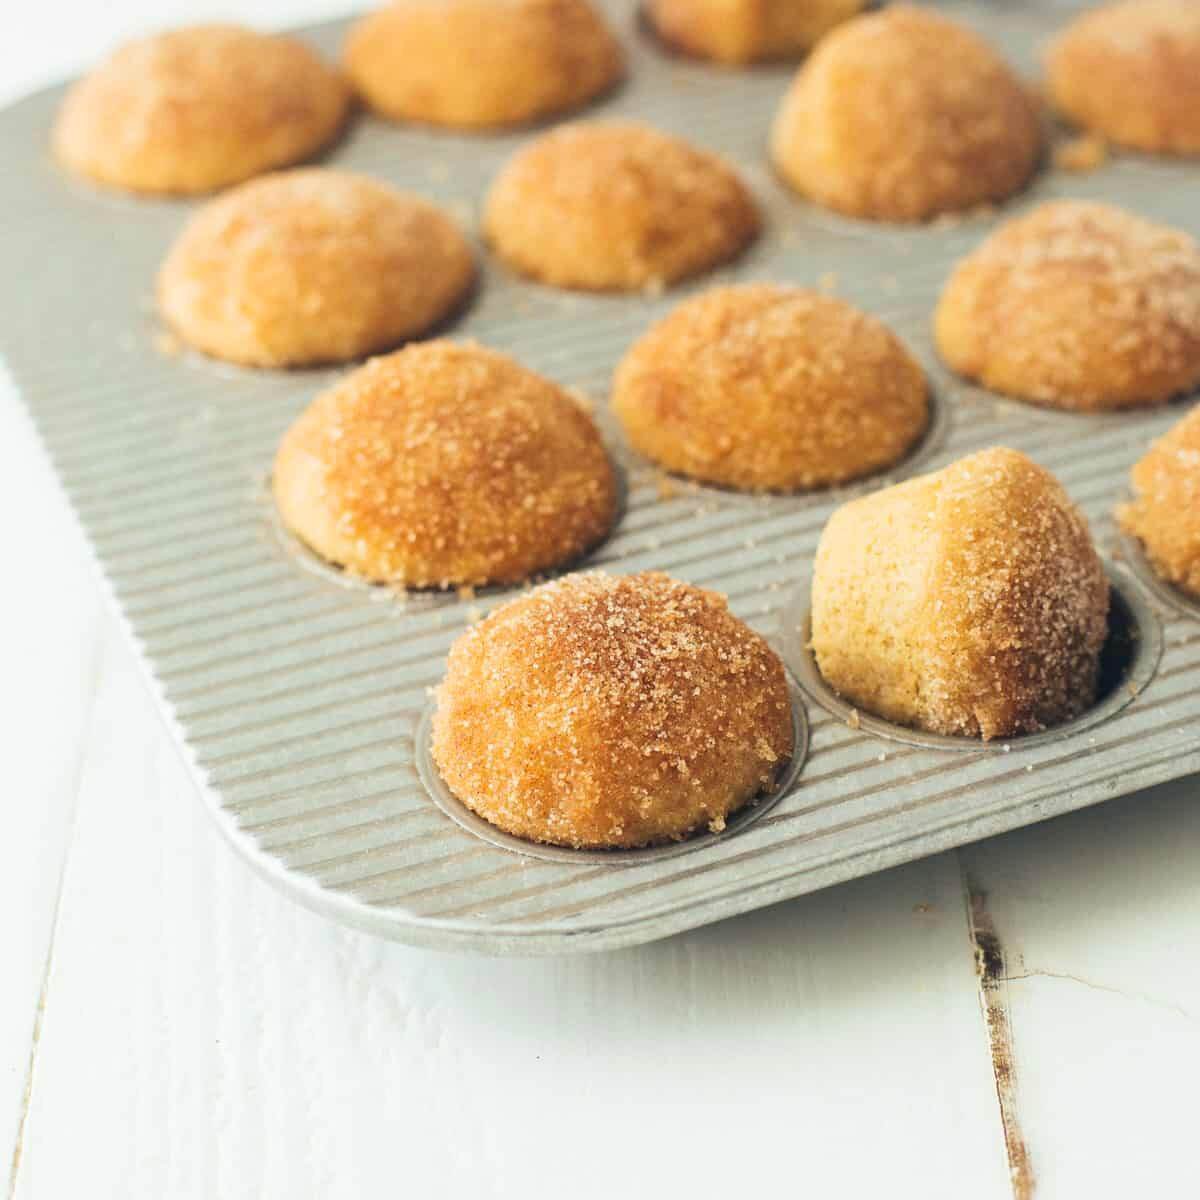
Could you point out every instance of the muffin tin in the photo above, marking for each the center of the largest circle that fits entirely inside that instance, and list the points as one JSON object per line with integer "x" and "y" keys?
{"x": 297, "y": 696}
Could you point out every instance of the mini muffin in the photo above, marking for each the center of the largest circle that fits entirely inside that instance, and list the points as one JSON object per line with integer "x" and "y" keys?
{"x": 769, "y": 388}
{"x": 1131, "y": 72}
{"x": 970, "y": 601}
{"x": 616, "y": 207}
{"x": 1165, "y": 511}
{"x": 903, "y": 114}
{"x": 743, "y": 31}
{"x": 1076, "y": 305}
{"x": 312, "y": 266}
{"x": 478, "y": 64}
{"x": 444, "y": 465}
{"x": 600, "y": 711}
{"x": 197, "y": 109}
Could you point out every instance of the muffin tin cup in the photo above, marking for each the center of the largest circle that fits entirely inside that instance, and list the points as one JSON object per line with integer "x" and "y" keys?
{"x": 1133, "y": 553}
{"x": 1128, "y": 661}
{"x": 696, "y": 843}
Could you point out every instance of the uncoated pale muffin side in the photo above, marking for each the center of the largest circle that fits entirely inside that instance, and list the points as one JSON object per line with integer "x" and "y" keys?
{"x": 1131, "y": 72}
{"x": 197, "y": 109}
{"x": 616, "y": 206}
{"x": 768, "y": 388}
{"x": 445, "y": 465}
{"x": 602, "y": 711}
{"x": 1164, "y": 514}
{"x": 481, "y": 64}
{"x": 903, "y": 114}
{"x": 970, "y": 601}
{"x": 1076, "y": 305}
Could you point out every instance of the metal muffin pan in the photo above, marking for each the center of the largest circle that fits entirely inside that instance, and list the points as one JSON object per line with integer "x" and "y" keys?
{"x": 297, "y": 701}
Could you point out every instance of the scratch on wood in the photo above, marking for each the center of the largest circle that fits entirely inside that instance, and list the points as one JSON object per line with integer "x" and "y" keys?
{"x": 993, "y": 1000}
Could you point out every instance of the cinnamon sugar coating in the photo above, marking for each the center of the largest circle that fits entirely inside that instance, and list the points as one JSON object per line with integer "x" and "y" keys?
{"x": 743, "y": 31}
{"x": 605, "y": 711}
{"x": 197, "y": 109}
{"x": 1131, "y": 72}
{"x": 902, "y": 114}
{"x": 970, "y": 601}
{"x": 616, "y": 206}
{"x": 767, "y": 388}
{"x": 1165, "y": 511}
{"x": 479, "y": 64}
{"x": 444, "y": 465}
{"x": 1076, "y": 305}
{"x": 312, "y": 266}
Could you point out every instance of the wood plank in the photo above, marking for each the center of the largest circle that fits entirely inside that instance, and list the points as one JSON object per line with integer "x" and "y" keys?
{"x": 1097, "y": 926}
{"x": 48, "y": 650}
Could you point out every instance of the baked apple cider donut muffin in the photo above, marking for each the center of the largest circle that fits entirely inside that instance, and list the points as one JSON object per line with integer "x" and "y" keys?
{"x": 602, "y": 711}
{"x": 198, "y": 109}
{"x": 903, "y": 114}
{"x": 767, "y": 388}
{"x": 616, "y": 206}
{"x": 480, "y": 64}
{"x": 744, "y": 31}
{"x": 1076, "y": 305}
{"x": 312, "y": 266}
{"x": 445, "y": 465}
{"x": 1164, "y": 514}
{"x": 970, "y": 601}
{"x": 1130, "y": 72}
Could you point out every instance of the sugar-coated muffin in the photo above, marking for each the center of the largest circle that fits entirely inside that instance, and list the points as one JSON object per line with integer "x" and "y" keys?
{"x": 1131, "y": 72}
{"x": 605, "y": 711}
{"x": 1164, "y": 513}
{"x": 902, "y": 114}
{"x": 1076, "y": 305}
{"x": 197, "y": 109}
{"x": 768, "y": 388}
{"x": 312, "y": 266}
{"x": 445, "y": 465}
{"x": 970, "y": 601}
{"x": 616, "y": 206}
{"x": 479, "y": 64}
{"x": 743, "y": 31}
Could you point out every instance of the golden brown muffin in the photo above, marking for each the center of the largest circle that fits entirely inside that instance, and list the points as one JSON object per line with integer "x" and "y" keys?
{"x": 611, "y": 711}
{"x": 478, "y": 64}
{"x": 970, "y": 601}
{"x": 1131, "y": 72}
{"x": 769, "y": 388}
{"x": 197, "y": 109}
{"x": 616, "y": 207}
{"x": 743, "y": 31}
{"x": 903, "y": 114}
{"x": 1079, "y": 306}
{"x": 1165, "y": 511}
{"x": 312, "y": 266}
{"x": 444, "y": 465}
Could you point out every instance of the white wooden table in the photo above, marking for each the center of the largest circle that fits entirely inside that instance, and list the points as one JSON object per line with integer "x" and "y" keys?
{"x": 1018, "y": 1018}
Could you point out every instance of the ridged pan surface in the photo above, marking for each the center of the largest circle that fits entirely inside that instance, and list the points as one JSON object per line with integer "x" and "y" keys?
{"x": 297, "y": 699}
